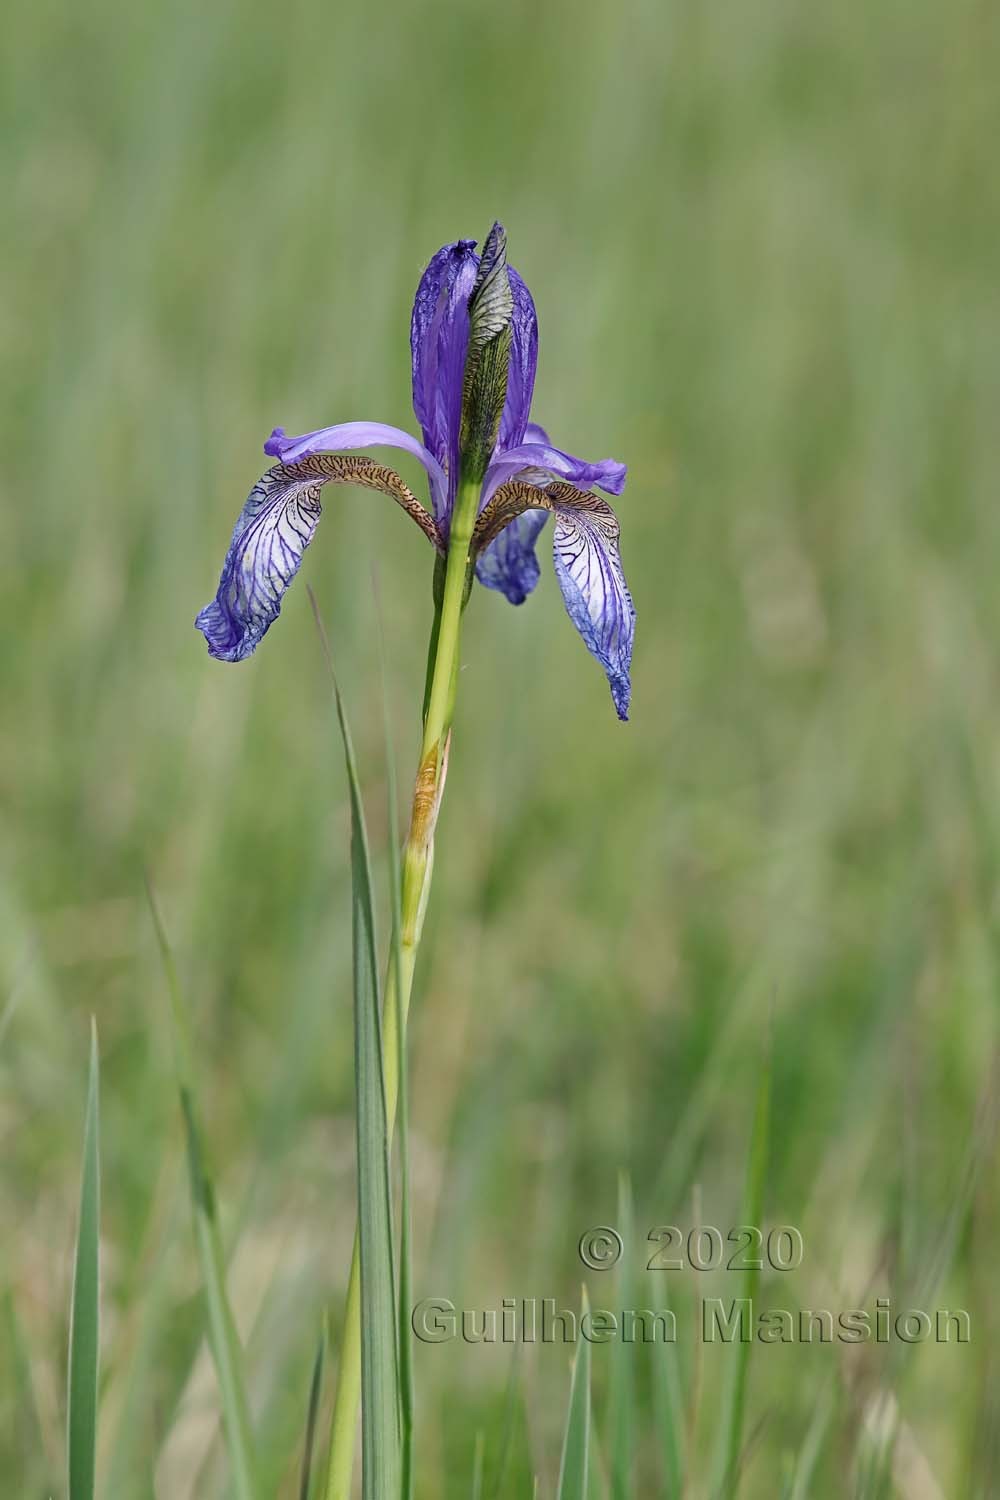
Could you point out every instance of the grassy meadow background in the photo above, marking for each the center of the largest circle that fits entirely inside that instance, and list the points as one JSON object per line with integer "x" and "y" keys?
{"x": 763, "y": 240}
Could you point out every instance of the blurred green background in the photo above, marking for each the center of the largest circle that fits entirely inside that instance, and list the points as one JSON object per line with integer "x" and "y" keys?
{"x": 763, "y": 240}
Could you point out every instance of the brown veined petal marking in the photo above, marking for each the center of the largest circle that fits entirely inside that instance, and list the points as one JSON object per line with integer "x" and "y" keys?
{"x": 516, "y": 496}
{"x": 276, "y": 525}
{"x": 347, "y": 468}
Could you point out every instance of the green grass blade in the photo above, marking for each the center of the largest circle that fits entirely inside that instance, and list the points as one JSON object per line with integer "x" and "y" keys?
{"x": 573, "y": 1470}
{"x": 876, "y": 1442}
{"x": 805, "y": 1463}
{"x": 315, "y": 1387}
{"x": 622, "y": 1395}
{"x": 222, "y": 1337}
{"x": 380, "y": 1425}
{"x": 507, "y": 1427}
{"x": 30, "y": 1433}
{"x": 668, "y": 1405}
{"x": 478, "y": 1464}
{"x": 726, "y": 1477}
{"x": 84, "y": 1330}
{"x": 405, "y": 1332}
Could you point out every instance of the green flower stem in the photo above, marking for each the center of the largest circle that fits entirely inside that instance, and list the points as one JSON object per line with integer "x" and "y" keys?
{"x": 417, "y": 870}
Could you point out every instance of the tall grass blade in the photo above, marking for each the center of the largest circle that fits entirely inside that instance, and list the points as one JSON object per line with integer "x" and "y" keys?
{"x": 877, "y": 1438}
{"x": 84, "y": 1328}
{"x": 222, "y": 1337}
{"x": 668, "y": 1405}
{"x": 507, "y": 1429}
{"x": 726, "y": 1478}
{"x": 315, "y": 1388}
{"x": 380, "y": 1424}
{"x": 597, "y": 1478}
{"x": 622, "y": 1396}
{"x": 478, "y": 1461}
{"x": 574, "y": 1468}
{"x": 805, "y": 1463}
{"x": 30, "y": 1434}
{"x": 405, "y": 1332}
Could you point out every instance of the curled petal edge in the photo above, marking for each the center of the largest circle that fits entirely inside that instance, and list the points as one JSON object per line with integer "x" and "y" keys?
{"x": 349, "y": 436}
{"x": 543, "y": 464}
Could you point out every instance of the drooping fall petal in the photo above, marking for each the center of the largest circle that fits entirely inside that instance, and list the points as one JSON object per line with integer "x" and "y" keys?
{"x": 588, "y": 566}
{"x": 274, "y": 529}
{"x": 509, "y": 564}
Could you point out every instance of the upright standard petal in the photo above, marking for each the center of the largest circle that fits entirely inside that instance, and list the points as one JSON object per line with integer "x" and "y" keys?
{"x": 523, "y": 364}
{"x": 439, "y": 336}
{"x": 347, "y": 436}
{"x": 274, "y": 529}
{"x": 508, "y": 564}
{"x": 588, "y": 566}
{"x": 541, "y": 462}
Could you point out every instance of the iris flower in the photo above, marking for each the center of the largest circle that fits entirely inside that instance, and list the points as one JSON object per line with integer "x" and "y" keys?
{"x": 473, "y": 328}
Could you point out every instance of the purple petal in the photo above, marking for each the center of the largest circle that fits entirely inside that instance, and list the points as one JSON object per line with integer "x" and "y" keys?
{"x": 523, "y": 362}
{"x": 275, "y": 527}
{"x": 509, "y": 563}
{"x": 439, "y": 334}
{"x": 350, "y": 435}
{"x": 588, "y": 566}
{"x": 545, "y": 460}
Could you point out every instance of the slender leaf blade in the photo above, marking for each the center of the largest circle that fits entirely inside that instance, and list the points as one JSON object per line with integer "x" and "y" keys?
{"x": 507, "y": 1429}
{"x": 575, "y": 1465}
{"x": 727, "y": 1464}
{"x": 223, "y": 1339}
{"x": 478, "y": 1464}
{"x": 622, "y": 1394}
{"x": 315, "y": 1387}
{"x": 84, "y": 1336}
{"x": 404, "y": 1330}
{"x": 380, "y": 1426}
{"x": 824, "y": 1410}
{"x": 29, "y": 1420}
{"x": 668, "y": 1403}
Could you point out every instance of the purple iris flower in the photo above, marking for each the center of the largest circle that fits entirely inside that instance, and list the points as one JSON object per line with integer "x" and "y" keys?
{"x": 523, "y": 478}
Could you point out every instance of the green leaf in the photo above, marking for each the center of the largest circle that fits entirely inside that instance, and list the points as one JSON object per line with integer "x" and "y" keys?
{"x": 875, "y": 1446}
{"x": 30, "y": 1432}
{"x": 726, "y": 1478}
{"x": 574, "y": 1467}
{"x": 380, "y": 1419}
{"x": 84, "y": 1330}
{"x": 222, "y": 1336}
{"x": 315, "y": 1387}
{"x": 478, "y": 1462}
{"x": 622, "y": 1394}
{"x": 405, "y": 1331}
{"x": 824, "y": 1409}
{"x": 668, "y": 1403}
{"x": 507, "y": 1427}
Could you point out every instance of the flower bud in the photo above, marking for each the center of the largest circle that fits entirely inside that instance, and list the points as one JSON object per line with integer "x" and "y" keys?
{"x": 484, "y": 388}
